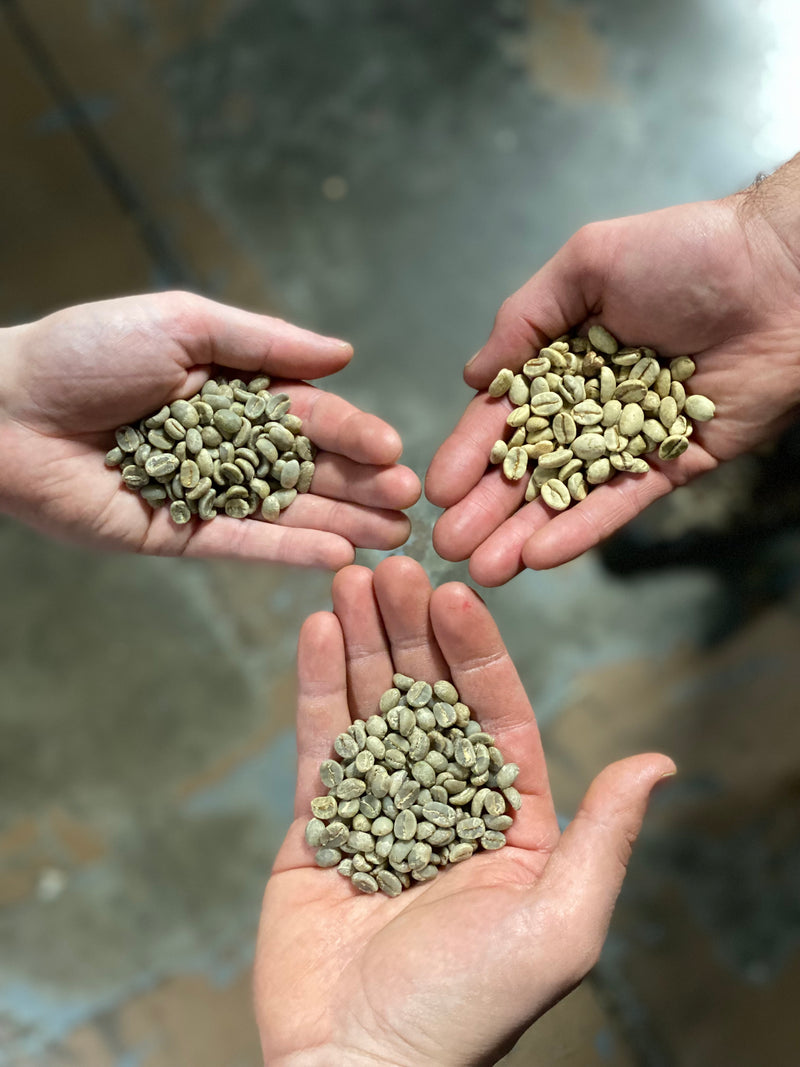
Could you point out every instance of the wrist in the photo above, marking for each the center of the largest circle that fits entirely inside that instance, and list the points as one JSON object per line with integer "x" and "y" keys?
{"x": 775, "y": 201}
{"x": 332, "y": 1056}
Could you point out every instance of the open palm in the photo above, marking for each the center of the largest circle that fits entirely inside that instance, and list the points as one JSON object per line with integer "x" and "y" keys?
{"x": 452, "y": 970}
{"x": 70, "y": 379}
{"x": 708, "y": 280}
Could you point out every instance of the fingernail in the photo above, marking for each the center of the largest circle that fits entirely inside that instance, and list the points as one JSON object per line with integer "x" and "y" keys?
{"x": 471, "y": 361}
{"x": 669, "y": 774}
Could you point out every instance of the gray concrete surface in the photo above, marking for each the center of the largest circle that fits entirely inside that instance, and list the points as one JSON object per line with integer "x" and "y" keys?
{"x": 387, "y": 173}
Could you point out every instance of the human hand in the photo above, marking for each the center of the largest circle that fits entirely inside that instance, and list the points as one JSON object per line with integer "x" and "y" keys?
{"x": 717, "y": 281}
{"x": 452, "y": 970}
{"x": 68, "y": 380}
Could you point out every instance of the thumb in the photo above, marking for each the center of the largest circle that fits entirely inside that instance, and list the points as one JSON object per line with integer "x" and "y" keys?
{"x": 231, "y": 337}
{"x": 560, "y": 296}
{"x": 587, "y": 868}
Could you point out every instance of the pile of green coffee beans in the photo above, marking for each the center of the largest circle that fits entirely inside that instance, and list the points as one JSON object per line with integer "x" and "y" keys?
{"x": 585, "y": 409}
{"x": 416, "y": 787}
{"x": 233, "y": 447}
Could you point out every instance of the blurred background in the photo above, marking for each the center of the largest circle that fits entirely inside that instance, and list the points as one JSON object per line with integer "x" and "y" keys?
{"x": 387, "y": 173}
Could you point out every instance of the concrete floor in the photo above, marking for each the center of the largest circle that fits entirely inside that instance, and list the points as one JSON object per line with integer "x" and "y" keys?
{"x": 386, "y": 173}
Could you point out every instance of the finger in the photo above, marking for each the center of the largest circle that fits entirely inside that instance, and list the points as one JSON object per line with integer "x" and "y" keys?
{"x": 608, "y": 508}
{"x": 340, "y": 478}
{"x": 558, "y": 297}
{"x": 336, "y": 425}
{"x": 499, "y": 558}
{"x": 322, "y": 709}
{"x": 230, "y": 337}
{"x": 369, "y": 661}
{"x": 462, "y": 459}
{"x": 487, "y": 681}
{"x": 361, "y": 526}
{"x": 467, "y": 524}
{"x": 245, "y": 539}
{"x": 403, "y": 593}
{"x": 586, "y": 871}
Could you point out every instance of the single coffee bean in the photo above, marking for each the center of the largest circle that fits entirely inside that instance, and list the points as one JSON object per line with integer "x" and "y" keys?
{"x": 602, "y": 341}
{"x": 556, "y": 495}
{"x": 672, "y": 447}
{"x": 682, "y": 368}
{"x": 501, "y": 383}
{"x": 699, "y": 407}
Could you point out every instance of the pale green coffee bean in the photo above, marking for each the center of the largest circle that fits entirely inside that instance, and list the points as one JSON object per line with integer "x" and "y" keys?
{"x": 446, "y": 691}
{"x": 180, "y": 512}
{"x": 384, "y": 843}
{"x": 161, "y": 464}
{"x": 237, "y": 508}
{"x": 330, "y": 773}
{"x": 157, "y": 420}
{"x": 270, "y": 509}
{"x": 442, "y": 835}
{"x": 402, "y": 682}
{"x": 654, "y": 431}
{"x": 364, "y": 882}
{"x": 507, "y": 776}
{"x": 481, "y": 754}
{"x": 184, "y": 413}
{"x": 672, "y": 447}
{"x": 631, "y": 420}
{"x": 313, "y": 832}
{"x": 114, "y": 457}
{"x": 463, "y": 751}
{"x": 464, "y": 796}
{"x": 418, "y": 744}
{"x": 406, "y": 721}
{"x": 376, "y": 726}
{"x": 445, "y": 714}
{"x": 406, "y": 795}
{"x": 518, "y": 438}
{"x": 290, "y": 474}
{"x": 555, "y": 494}
{"x": 587, "y": 413}
{"x": 599, "y": 471}
{"x": 462, "y": 851}
{"x": 359, "y": 841}
{"x": 495, "y": 803}
{"x": 678, "y": 394}
{"x": 155, "y": 495}
{"x": 480, "y": 779}
{"x": 324, "y": 807}
{"x": 518, "y": 390}
{"x": 388, "y": 700}
{"x": 405, "y": 825}
{"x": 699, "y": 407}
{"x": 419, "y": 855}
{"x": 614, "y": 440}
{"x": 608, "y": 384}
{"x": 470, "y": 828}
{"x": 345, "y": 868}
{"x": 227, "y": 422}
{"x": 513, "y": 797}
{"x": 254, "y": 407}
{"x": 576, "y": 485}
{"x": 345, "y": 746}
{"x": 194, "y": 441}
{"x": 358, "y": 731}
{"x": 376, "y": 747}
{"x": 572, "y": 388}
{"x": 378, "y": 781}
{"x": 602, "y": 341}
{"x": 382, "y": 826}
{"x": 206, "y": 506}
{"x": 419, "y": 694}
{"x": 211, "y": 437}
{"x": 190, "y": 474}
{"x": 651, "y": 403}
{"x": 284, "y": 497}
{"x": 536, "y": 367}
{"x": 498, "y": 822}
{"x": 554, "y": 460}
{"x": 437, "y": 761}
{"x": 364, "y": 760}
{"x": 501, "y": 383}
{"x": 515, "y": 464}
{"x": 267, "y": 449}
{"x": 424, "y": 773}
{"x": 282, "y": 438}
{"x": 128, "y": 438}
{"x": 630, "y": 391}
{"x": 682, "y": 368}
{"x": 441, "y": 815}
{"x": 479, "y": 796}
{"x": 328, "y": 857}
{"x": 646, "y": 370}
{"x": 389, "y": 883}
{"x": 305, "y": 477}
{"x": 564, "y": 428}
{"x": 667, "y": 411}
{"x": 361, "y": 864}
{"x": 493, "y": 840}
{"x": 134, "y": 477}
{"x": 334, "y": 835}
{"x": 532, "y": 491}
{"x": 426, "y": 874}
{"x": 499, "y": 452}
{"x": 546, "y": 403}
{"x": 572, "y": 466}
{"x": 661, "y": 386}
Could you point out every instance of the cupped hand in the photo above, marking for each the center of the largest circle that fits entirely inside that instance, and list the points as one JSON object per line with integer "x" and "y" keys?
{"x": 453, "y": 970}
{"x": 68, "y": 380}
{"x": 713, "y": 280}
